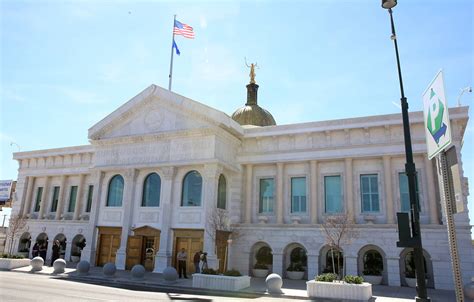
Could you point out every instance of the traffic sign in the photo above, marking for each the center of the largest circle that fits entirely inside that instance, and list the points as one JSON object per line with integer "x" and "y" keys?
{"x": 436, "y": 116}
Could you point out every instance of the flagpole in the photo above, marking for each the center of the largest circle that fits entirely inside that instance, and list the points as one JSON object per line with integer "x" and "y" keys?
{"x": 171, "y": 62}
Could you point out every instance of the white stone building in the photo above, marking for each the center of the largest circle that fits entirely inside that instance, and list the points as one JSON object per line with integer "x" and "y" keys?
{"x": 158, "y": 167}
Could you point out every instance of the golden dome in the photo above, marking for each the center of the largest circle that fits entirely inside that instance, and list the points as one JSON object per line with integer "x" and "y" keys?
{"x": 251, "y": 113}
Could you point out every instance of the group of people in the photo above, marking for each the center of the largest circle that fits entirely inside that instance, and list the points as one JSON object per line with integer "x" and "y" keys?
{"x": 40, "y": 249}
{"x": 199, "y": 260}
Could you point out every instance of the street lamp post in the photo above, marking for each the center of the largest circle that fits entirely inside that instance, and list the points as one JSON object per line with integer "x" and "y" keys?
{"x": 410, "y": 171}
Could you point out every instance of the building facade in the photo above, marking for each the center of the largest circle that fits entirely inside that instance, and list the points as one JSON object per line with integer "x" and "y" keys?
{"x": 161, "y": 166}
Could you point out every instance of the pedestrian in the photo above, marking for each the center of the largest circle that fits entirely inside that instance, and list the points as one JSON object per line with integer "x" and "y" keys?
{"x": 204, "y": 261}
{"x": 35, "y": 251}
{"x": 43, "y": 248}
{"x": 196, "y": 260}
{"x": 56, "y": 249}
{"x": 182, "y": 256}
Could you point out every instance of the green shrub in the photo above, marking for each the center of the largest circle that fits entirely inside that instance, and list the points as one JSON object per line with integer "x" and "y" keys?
{"x": 372, "y": 272}
{"x": 209, "y": 271}
{"x": 353, "y": 279}
{"x": 12, "y": 256}
{"x": 329, "y": 277}
{"x": 295, "y": 267}
{"x": 260, "y": 266}
{"x": 232, "y": 273}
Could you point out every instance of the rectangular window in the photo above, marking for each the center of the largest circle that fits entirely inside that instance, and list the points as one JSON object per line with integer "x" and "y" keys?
{"x": 298, "y": 194}
{"x": 267, "y": 187}
{"x": 333, "y": 194}
{"x": 369, "y": 193}
{"x": 89, "y": 198}
{"x": 38, "y": 199}
{"x": 54, "y": 201}
{"x": 405, "y": 195}
{"x": 72, "y": 199}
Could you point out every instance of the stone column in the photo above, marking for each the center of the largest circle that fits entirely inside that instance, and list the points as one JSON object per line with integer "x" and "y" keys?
{"x": 279, "y": 193}
{"x": 67, "y": 252}
{"x": 49, "y": 251}
{"x": 349, "y": 188}
{"x": 28, "y": 196}
{"x": 44, "y": 198}
{"x": 248, "y": 194}
{"x": 88, "y": 252}
{"x": 431, "y": 192}
{"x": 350, "y": 265}
{"x": 211, "y": 175}
{"x": 387, "y": 177}
{"x": 127, "y": 202}
{"x": 277, "y": 267}
{"x": 313, "y": 265}
{"x": 164, "y": 255}
{"x": 393, "y": 271}
{"x": 62, "y": 198}
{"x": 79, "y": 197}
{"x": 314, "y": 191}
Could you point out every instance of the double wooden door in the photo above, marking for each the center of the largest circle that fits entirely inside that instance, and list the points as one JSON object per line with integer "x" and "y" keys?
{"x": 109, "y": 243}
{"x": 192, "y": 242}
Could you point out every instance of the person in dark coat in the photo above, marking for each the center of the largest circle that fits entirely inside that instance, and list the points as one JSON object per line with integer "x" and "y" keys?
{"x": 35, "y": 250}
{"x": 56, "y": 250}
{"x": 43, "y": 248}
{"x": 196, "y": 260}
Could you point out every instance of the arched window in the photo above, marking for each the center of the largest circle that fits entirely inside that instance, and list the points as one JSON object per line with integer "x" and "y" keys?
{"x": 373, "y": 263}
{"x": 115, "y": 194}
{"x": 192, "y": 188}
{"x": 221, "y": 192}
{"x": 334, "y": 261}
{"x": 151, "y": 191}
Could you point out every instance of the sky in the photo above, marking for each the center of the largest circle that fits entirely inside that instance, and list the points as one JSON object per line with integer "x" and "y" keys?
{"x": 65, "y": 65}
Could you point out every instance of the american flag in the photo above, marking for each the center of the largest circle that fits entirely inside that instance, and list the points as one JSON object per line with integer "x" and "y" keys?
{"x": 183, "y": 30}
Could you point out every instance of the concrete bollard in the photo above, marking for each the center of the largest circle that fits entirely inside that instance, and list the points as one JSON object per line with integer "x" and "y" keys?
{"x": 83, "y": 267}
{"x": 37, "y": 264}
{"x": 170, "y": 275}
{"x": 138, "y": 272}
{"x": 274, "y": 283}
{"x": 109, "y": 270}
{"x": 59, "y": 266}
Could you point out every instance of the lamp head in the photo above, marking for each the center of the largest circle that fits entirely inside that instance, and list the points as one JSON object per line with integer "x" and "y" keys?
{"x": 388, "y": 4}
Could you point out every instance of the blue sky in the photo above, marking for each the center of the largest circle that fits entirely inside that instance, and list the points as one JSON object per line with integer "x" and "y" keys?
{"x": 67, "y": 64}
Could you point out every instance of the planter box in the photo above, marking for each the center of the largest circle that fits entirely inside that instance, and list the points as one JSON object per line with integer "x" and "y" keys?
{"x": 339, "y": 290}
{"x": 411, "y": 282}
{"x": 220, "y": 282}
{"x": 294, "y": 275}
{"x": 260, "y": 273}
{"x": 374, "y": 280}
{"x": 8, "y": 264}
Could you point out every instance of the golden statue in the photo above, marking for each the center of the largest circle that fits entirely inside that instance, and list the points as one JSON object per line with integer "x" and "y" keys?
{"x": 252, "y": 71}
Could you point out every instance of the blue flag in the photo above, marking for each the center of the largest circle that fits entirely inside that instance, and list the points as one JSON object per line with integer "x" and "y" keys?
{"x": 176, "y": 48}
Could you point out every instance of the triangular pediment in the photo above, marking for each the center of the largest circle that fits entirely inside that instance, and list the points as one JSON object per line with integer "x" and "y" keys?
{"x": 157, "y": 110}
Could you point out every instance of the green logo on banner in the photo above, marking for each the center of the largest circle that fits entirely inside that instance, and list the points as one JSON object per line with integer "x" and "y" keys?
{"x": 435, "y": 117}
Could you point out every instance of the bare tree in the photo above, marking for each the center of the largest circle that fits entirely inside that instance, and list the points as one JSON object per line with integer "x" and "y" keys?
{"x": 17, "y": 224}
{"x": 339, "y": 230}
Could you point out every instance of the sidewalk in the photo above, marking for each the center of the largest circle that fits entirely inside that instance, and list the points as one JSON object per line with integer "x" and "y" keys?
{"x": 292, "y": 289}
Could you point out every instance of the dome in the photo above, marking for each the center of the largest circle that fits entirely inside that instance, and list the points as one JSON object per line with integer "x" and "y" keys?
{"x": 253, "y": 115}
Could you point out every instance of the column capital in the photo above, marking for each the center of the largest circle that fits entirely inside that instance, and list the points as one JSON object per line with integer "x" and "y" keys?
{"x": 168, "y": 172}
{"x": 212, "y": 170}
{"x": 131, "y": 173}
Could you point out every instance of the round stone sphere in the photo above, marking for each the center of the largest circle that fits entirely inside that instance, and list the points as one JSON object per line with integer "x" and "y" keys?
{"x": 469, "y": 290}
{"x": 109, "y": 269}
{"x": 36, "y": 264}
{"x": 59, "y": 266}
{"x": 138, "y": 272}
{"x": 170, "y": 274}
{"x": 83, "y": 267}
{"x": 274, "y": 283}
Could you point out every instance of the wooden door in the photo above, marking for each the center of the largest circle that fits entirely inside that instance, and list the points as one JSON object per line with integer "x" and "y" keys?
{"x": 109, "y": 242}
{"x": 148, "y": 253}
{"x": 191, "y": 246}
{"x": 134, "y": 251}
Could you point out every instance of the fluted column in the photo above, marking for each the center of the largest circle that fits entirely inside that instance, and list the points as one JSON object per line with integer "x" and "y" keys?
{"x": 313, "y": 191}
{"x": 248, "y": 194}
{"x": 279, "y": 193}
{"x": 62, "y": 197}
{"x": 127, "y": 201}
{"x": 164, "y": 254}
{"x": 211, "y": 176}
{"x": 431, "y": 192}
{"x": 44, "y": 198}
{"x": 387, "y": 176}
{"x": 28, "y": 196}
{"x": 348, "y": 187}
{"x": 79, "y": 198}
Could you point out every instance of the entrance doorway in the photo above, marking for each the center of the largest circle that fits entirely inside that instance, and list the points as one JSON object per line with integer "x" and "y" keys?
{"x": 109, "y": 242}
{"x": 192, "y": 242}
{"x": 142, "y": 247}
